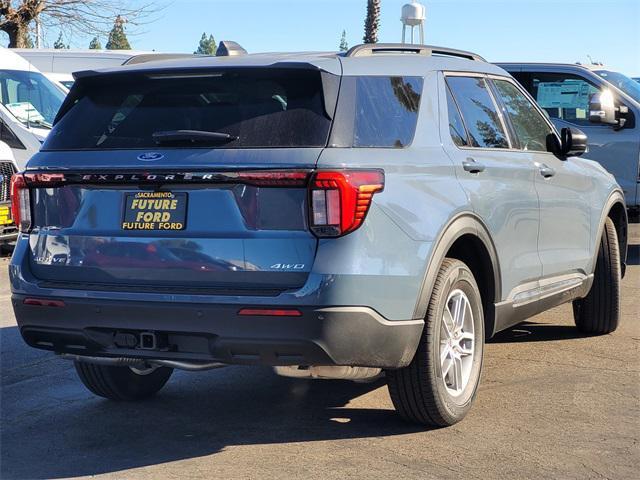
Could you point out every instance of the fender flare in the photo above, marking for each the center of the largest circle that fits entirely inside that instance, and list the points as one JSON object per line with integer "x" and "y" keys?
{"x": 616, "y": 197}
{"x": 465, "y": 223}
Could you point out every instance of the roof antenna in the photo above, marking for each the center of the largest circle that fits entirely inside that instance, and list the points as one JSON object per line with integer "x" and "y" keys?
{"x": 413, "y": 15}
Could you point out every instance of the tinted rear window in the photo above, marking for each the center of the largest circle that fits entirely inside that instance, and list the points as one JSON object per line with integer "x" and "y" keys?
{"x": 261, "y": 107}
{"x": 377, "y": 111}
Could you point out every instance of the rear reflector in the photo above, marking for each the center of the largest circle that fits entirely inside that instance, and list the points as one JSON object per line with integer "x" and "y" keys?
{"x": 43, "y": 302}
{"x": 270, "y": 312}
{"x": 340, "y": 200}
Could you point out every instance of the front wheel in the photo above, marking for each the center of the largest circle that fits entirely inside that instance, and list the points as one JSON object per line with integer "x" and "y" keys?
{"x": 122, "y": 383}
{"x": 439, "y": 385}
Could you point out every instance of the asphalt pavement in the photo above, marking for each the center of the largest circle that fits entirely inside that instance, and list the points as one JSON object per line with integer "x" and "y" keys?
{"x": 552, "y": 404}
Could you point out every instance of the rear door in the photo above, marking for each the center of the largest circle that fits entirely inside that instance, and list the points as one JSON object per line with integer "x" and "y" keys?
{"x": 498, "y": 180}
{"x": 134, "y": 191}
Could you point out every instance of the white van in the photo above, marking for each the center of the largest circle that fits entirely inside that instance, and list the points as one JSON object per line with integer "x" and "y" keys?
{"x": 29, "y": 103}
{"x": 8, "y": 229}
{"x": 59, "y": 64}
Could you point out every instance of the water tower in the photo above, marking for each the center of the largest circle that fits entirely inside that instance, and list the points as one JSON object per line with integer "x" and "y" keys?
{"x": 413, "y": 15}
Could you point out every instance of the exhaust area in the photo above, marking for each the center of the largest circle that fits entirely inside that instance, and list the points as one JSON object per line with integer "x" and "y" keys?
{"x": 359, "y": 374}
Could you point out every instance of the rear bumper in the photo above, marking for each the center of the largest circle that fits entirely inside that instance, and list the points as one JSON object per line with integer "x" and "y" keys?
{"x": 354, "y": 336}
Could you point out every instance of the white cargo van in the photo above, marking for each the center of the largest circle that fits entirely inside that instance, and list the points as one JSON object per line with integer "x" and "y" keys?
{"x": 59, "y": 64}
{"x": 29, "y": 103}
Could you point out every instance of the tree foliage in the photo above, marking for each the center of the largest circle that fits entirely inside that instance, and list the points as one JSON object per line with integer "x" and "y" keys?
{"x": 117, "y": 36}
{"x": 207, "y": 45}
{"x": 85, "y": 17}
{"x": 59, "y": 43}
{"x": 344, "y": 46}
{"x": 95, "y": 44}
{"x": 372, "y": 22}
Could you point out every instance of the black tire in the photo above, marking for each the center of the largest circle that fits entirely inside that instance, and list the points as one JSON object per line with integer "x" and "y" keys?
{"x": 418, "y": 391}
{"x": 599, "y": 312}
{"x": 121, "y": 383}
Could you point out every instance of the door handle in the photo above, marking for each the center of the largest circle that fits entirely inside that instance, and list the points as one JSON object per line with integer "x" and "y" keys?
{"x": 471, "y": 166}
{"x": 546, "y": 171}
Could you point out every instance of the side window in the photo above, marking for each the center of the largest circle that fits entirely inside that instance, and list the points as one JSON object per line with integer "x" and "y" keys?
{"x": 563, "y": 96}
{"x": 531, "y": 129}
{"x": 386, "y": 111}
{"x": 456, "y": 125}
{"x": 479, "y": 112}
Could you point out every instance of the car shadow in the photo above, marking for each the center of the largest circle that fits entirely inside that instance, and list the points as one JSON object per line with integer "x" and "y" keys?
{"x": 537, "y": 332}
{"x": 58, "y": 429}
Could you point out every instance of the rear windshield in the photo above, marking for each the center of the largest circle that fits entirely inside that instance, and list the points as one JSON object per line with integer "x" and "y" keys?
{"x": 250, "y": 107}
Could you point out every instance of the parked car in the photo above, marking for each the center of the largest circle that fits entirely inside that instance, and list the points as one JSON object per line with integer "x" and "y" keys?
{"x": 28, "y": 104}
{"x": 332, "y": 215}
{"x": 8, "y": 167}
{"x": 604, "y": 103}
{"x": 59, "y": 64}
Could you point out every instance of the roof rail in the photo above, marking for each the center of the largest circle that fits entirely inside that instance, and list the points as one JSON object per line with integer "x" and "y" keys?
{"x": 368, "y": 49}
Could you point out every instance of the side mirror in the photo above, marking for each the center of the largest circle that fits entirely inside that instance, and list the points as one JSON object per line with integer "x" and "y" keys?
{"x": 573, "y": 142}
{"x": 603, "y": 110}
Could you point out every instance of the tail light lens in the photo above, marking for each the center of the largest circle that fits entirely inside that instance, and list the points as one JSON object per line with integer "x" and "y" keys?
{"x": 20, "y": 202}
{"x": 340, "y": 200}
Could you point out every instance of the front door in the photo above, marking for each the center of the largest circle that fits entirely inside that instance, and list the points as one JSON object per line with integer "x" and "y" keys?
{"x": 563, "y": 189}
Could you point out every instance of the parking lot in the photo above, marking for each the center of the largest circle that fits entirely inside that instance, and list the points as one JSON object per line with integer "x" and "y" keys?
{"x": 552, "y": 404}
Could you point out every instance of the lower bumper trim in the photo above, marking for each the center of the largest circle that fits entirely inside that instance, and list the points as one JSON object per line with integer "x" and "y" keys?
{"x": 349, "y": 336}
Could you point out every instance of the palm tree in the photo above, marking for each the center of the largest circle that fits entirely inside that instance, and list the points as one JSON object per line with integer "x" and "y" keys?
{"x": 372, "y": 21}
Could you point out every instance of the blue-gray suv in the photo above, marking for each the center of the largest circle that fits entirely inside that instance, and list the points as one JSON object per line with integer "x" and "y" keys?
{"x": 379, "y": 211}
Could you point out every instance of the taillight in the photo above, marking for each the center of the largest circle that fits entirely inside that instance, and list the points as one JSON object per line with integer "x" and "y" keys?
{"x": 20, "y": 202}
{"x": 340, "y": 200}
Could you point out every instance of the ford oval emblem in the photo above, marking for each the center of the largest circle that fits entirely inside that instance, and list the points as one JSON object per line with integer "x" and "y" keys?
{"x": 150, "y": 156}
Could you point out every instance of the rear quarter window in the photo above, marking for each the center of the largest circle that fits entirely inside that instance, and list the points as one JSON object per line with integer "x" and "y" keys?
{"x": 377, "y": 111}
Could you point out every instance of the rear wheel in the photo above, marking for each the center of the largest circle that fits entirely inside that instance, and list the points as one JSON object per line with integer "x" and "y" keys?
{"x": 122, "y": 383}
{"x": 599, "y": 312}
{"x": 439, "y": 385}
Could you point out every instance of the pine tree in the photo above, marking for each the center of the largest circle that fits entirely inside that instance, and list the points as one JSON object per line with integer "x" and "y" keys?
{"x": 344, "y": 46}
{"x": 95, "y": 44}
{"x": 372, "y": 22}
{"x": 207, "y": 46}
{"x": 59, "y": 43}
{"x": 117, "y": 36}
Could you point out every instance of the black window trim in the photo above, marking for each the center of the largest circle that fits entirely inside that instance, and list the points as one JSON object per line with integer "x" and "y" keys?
{"x": 464, "y": 124}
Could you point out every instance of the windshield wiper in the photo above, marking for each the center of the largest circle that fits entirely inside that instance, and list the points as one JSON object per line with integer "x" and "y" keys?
{"x": 40, "y": 124}
{"x": 192, "y": 136}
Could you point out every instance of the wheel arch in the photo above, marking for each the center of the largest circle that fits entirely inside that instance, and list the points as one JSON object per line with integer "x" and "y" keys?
{"x": 466, "y": 238}
{"x": 616, "y": 210}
